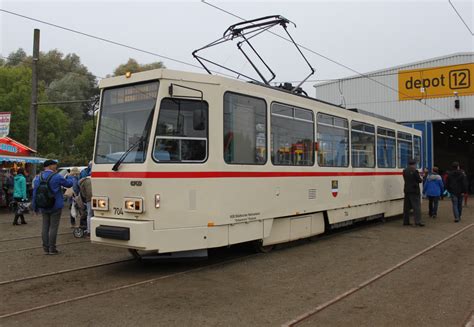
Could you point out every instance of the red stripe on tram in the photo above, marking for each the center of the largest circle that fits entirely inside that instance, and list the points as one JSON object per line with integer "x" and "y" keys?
{"x": 233, "y": 174}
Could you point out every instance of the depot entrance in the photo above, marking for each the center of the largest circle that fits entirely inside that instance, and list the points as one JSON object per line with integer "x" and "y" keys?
{"x": 453, "y": 140}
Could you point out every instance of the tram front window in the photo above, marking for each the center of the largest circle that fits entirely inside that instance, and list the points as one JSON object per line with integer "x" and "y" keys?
{"x": 125, "y": 118}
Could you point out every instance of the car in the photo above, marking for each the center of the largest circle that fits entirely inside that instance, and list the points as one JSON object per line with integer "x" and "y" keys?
{"x": 63, "y": 171}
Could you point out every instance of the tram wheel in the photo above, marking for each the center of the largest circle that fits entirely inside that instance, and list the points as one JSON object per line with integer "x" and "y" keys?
{"x": 259, "y": 248}
{"x": 135, "y": 254}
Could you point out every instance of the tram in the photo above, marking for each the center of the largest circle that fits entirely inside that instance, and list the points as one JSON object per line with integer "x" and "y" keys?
{"x": 185, "y": 162}
{"x": 210, "y": 162}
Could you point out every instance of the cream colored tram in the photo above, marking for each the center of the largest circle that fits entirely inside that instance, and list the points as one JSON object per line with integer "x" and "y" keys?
{"x": 187, "y": 161}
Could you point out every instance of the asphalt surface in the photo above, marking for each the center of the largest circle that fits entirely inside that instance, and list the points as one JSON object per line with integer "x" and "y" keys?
{"x": 235, "y": 287}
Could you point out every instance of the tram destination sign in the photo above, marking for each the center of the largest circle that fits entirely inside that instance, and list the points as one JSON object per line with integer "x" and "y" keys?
{"x": 436, "y": 82}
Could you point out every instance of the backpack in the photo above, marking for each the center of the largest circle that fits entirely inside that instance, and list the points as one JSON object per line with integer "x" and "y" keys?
{"x": 45, "y": 198}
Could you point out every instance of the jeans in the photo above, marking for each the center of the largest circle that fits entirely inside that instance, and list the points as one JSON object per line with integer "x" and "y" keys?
{"x": 18, "y": 215}
{"x": 457, "y": 206}
{"x": 433, "y": 205}
{"x": 89, "y": 216}
{"x": 50, "y": 229}
{"x": 412, "y": 201}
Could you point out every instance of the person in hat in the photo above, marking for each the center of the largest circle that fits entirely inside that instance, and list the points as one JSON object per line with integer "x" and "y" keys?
{"x": 412, "y": 199}
{"x": 48, "y": 199}
{"x": 456, "y": 184}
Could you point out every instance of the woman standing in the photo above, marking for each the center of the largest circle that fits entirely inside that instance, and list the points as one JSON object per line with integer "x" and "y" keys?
{"x": 19, "y": 194}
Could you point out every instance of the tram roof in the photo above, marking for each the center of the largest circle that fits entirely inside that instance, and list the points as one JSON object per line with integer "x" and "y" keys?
{"x": 253, "y": 89}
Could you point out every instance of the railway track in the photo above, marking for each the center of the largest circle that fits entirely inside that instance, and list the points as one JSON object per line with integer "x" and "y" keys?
{"x": 60, "y": 272}
{"x": 311, "y": 313}
{"x": 293, "y": 322}
{"x": 150, "y": 280}
{"x": 29, "y": 237}
{"x": 40, "y": 247}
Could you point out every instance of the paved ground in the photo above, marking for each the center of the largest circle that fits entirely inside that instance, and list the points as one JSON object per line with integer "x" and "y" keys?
{"x": 237, "y": 288}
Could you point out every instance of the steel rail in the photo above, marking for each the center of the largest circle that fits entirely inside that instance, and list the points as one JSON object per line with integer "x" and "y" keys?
{"x": 59, "y": 272}
{"x": 364, "y": 284}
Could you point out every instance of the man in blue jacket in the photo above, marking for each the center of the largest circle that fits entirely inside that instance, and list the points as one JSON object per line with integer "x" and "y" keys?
{"x": 433, "y": 189}
{"x": 52, "y": 211}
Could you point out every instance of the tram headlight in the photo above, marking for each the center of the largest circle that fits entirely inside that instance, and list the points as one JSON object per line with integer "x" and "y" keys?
{"x": 100, "y": 203}
{"x": 134, "y": 205}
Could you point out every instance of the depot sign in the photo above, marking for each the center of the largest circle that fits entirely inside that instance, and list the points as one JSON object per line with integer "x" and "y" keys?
{"x": 436, "y": 82}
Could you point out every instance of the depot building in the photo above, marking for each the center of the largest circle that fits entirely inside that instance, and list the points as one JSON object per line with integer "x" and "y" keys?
{"x": 435, "y": 96}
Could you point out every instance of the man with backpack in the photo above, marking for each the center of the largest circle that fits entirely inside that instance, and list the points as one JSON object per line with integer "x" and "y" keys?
{"x": 48, "y": 199}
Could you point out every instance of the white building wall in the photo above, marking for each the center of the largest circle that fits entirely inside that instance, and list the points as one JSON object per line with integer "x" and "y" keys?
{"x": 363, "y": 93}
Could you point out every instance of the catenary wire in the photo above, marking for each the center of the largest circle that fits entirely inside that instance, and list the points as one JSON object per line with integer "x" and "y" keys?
{"x": 108, "y": 40}
{"x": 460, "y": 17}
{"x": 329, "y": 59}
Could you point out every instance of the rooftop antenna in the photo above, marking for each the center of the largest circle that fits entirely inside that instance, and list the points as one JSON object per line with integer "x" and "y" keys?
{"x": 245, "y": 31}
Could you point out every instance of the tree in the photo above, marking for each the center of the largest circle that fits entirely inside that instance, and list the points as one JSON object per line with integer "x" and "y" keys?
{"x": 15, "y": 97}
{"x": 134, "y": 67}
{"x": 17, "y": 58}
{"x": 53, "y": 126}
{"x": 84, "y": 142}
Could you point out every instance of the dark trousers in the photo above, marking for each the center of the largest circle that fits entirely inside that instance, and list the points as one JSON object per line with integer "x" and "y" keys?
{"x": 457, "y": 206}
{"x": 433, "y": 205}
{"x": 412, "y": 201}
{"x": 50, "y": 229}
{"x": 18, "y": 215}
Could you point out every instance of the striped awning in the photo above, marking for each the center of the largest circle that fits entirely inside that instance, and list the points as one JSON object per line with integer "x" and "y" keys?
{"x": 33, "y": 160}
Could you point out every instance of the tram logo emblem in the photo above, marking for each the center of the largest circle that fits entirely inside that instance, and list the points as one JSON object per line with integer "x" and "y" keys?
{"x": 334, "y": 188}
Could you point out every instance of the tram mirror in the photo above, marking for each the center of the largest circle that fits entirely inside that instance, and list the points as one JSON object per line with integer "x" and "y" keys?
{"x": 199, "y": 120}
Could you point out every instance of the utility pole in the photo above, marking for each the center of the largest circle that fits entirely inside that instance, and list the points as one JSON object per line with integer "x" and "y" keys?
{"x": 33, "y": 135}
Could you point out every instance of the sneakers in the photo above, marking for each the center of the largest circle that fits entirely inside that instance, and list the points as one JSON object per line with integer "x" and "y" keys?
{"x": 53, "y": 252}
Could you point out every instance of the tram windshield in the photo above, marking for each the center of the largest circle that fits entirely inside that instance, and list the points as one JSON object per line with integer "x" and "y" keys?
{"x": 125, "y": 119}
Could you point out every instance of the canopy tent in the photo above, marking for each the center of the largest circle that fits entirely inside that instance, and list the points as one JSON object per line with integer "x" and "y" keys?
{"x": 32, "y": 160}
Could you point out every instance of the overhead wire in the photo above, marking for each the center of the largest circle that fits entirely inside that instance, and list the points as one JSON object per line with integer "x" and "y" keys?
{"x": 460, "y": 17}
{"x": 120, "y": 44}
{"x": 331, "y": 60}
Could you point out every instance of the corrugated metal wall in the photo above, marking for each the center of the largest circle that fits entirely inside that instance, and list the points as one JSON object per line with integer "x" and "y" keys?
{"x": 363, "y": 93}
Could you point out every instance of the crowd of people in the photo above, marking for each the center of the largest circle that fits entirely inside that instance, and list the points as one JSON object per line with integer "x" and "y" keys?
{"x": 453, "y": 184}
{"x": 50, "y": 193}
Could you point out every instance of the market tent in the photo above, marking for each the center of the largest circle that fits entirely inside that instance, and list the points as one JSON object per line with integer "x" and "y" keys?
{"x": 32, "y": 160}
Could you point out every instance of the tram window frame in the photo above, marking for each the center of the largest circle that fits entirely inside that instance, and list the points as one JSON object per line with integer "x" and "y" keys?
{"x": 404, "y": 137}
{"x": 332, "y": 121}
{"x": 387, "y": 134}
{"x": 367, "y": 129}
{"x": 265, "y": 121}
{"x": 292, "y": 113}
{"x": 177, "y": 137}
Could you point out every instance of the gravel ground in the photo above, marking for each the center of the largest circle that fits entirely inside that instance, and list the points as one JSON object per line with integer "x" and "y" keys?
{"x": 236, "y": 288}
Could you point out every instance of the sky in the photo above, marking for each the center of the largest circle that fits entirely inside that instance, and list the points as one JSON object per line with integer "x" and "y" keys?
{"x": 363, "y": 35}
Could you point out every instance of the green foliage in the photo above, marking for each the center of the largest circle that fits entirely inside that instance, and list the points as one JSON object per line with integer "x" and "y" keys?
{"x": 84, "y": 142}
{"x": 65, "y": 131}
{"x": 15, "y": 97}
{"x": 16, "y": 58}
{"x": 134, "y": 67}
{"x": 53, "y": 126}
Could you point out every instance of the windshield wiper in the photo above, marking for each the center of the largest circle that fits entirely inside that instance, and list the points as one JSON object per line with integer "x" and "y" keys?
{"x": 125, "y": 154}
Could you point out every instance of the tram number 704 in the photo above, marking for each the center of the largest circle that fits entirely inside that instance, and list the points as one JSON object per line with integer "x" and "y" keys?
{"x": 118, "y": 211}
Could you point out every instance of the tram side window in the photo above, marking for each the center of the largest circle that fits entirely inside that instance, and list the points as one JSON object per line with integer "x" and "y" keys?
{"x": 333, "y": 141}
{"x": 363, "y": 145}
{"x": 386, "y": 148}
{"x": 181, "y": 133}
{"x": 417, "y": 150}
{"x": 405, "y": 150}
{"x": 292, "y": 136}
{"x": 245, "y": 130}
